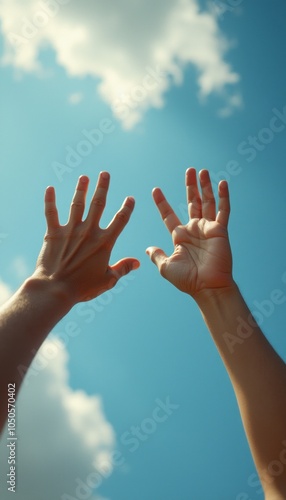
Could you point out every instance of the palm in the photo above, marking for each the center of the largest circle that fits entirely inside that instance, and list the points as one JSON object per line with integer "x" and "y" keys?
{"x": 202, "y": 257}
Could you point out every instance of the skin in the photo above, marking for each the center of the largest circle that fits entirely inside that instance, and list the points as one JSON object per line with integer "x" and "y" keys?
{"x": 201, "y": 266}
{"x": 73, "y": 266}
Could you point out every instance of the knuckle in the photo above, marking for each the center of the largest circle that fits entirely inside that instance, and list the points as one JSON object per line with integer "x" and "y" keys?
{"x": 209, "y": 197}
{"x": 166, "y": 214}
{"x": 196, "y": 201}
{"x": 103, "y": 239}
{"x": 77, "y": 204}
{"x": 111, "y": 282}
{"x": 51, "y": 234}
{"x": 107, "y": 244}
{"x": 51, "y": 212}
{"x": 209, "y": 201}
{"x": 98, "y": 202}
{"x": 125, "y": 269}
{"x": 162, "y": 268}
{"x": 83, "y": 234}
{"x": 122, "y": 216}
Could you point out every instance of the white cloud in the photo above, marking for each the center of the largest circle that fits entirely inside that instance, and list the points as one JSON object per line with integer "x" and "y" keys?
{"x": 116, "y": 41}
{"x": 5, "y": 292}
{"x": 62, "y": 433}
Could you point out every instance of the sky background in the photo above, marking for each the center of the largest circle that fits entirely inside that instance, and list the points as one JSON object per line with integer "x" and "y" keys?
{"x": 220, "y": 79}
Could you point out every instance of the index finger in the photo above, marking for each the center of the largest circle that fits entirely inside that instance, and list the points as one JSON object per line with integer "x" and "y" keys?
{"x": 120, "y": 220}
{"x": 167, "y": 213}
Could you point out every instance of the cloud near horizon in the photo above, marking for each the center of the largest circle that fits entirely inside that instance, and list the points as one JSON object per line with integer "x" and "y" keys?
{"x": 63, "y": 435}
{"x": 134, "y": 50}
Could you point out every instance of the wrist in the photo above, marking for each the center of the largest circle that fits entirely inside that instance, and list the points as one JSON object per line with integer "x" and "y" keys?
{"x": 49, "y": 291}
{"x": 216, "y": 295}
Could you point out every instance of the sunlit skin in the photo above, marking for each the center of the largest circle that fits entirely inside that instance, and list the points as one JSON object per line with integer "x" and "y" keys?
{"x": 201, "y": 265}
{"x": 76, "y": 256}
{"x": 73, "y": 266}
{"x": 202, "y": 257}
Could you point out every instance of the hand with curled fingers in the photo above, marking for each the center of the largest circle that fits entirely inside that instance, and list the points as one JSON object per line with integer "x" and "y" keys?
{"x": 75, "y": 257}
{"x": 201, "y": 262}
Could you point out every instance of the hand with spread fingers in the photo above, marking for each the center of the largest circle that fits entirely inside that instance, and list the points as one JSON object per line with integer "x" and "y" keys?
{"x": 201, "y": 261}
{"x": 76, "y": 256}
{"x": 73, "y": 266}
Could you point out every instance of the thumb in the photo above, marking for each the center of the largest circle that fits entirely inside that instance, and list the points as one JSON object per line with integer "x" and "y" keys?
{"x": 157, "y": 256}
{"x": 123, "y": 267}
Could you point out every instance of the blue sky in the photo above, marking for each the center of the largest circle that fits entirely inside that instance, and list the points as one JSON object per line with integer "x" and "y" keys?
{"x": 146, "y": 341}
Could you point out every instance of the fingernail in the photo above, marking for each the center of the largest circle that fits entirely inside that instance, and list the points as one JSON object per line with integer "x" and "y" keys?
{"x": 104, "y": 175}
{"x": 130, "y": 198}
{"x": 83, "y": 179}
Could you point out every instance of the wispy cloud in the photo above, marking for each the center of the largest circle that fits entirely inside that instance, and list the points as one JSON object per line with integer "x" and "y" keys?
{"x": 117, "y": 43}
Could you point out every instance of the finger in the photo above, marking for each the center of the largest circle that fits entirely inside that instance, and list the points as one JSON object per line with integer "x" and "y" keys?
{"x": 193, "y": 194}
{"x": 208, "y": 199}
{"x": 158, "y": 257}
{"x": 120, "y": 219}
{"x": 51, "y": 212}
{"x": 123, "y": 267}
{"x": 224, "y": 204}
{"x": 78, "y": 201}
{"x": 99, "y": 198}
{"x": 167, "y": 213}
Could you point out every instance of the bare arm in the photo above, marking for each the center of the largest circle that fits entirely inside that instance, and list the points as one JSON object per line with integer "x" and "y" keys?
{"x": 201, "y": 266}
{"x": 73, "y": 266}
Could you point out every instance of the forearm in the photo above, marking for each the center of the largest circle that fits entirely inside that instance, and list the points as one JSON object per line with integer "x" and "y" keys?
{"x": 258, "y": 376}
{"x": 25, "y": 321}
